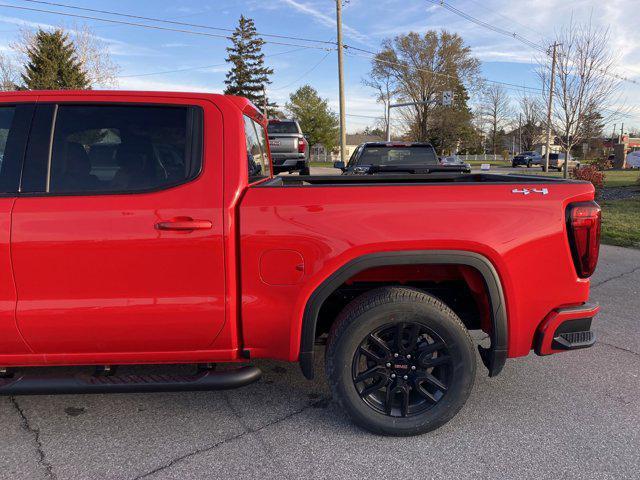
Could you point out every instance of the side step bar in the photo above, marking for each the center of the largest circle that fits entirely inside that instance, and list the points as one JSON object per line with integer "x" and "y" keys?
{"x": 26, "y": 384}
{"x": 574, "y": 340}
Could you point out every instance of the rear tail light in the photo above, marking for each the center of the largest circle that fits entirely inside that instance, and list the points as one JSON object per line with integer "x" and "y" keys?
{"x": 583, "y": 225}
{"x": 302, "y": 145}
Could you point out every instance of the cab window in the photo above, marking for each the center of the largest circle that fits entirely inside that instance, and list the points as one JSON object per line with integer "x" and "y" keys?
{"x": 257, "y": 153}
{"x": 122, "y": 148}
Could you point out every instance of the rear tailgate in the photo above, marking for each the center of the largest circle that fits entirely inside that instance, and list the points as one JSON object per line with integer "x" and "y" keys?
{"x": 284, "y": 143}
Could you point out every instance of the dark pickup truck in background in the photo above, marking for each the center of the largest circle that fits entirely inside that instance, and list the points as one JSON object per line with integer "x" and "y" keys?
{"x": 395, "y": 158}
{"x": 289, "y": 148}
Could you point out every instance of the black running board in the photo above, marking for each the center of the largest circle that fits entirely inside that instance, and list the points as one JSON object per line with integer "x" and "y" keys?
{"x": 574, "y": 340}
{"x": 27, "y": 384}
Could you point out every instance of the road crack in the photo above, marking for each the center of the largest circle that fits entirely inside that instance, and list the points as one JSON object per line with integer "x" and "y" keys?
{"x": 209, "y": 448}
{"x": 624, "y": 274}
{"x": 35, "y": 434}
{"x": 600, "y": 342}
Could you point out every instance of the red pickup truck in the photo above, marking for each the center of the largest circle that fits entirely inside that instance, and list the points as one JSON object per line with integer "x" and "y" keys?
{"x": 147, "y": 228}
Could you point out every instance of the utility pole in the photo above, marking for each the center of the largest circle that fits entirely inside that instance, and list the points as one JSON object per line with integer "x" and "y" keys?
{"x": 520, "y": 132}
{"x": 621, "y": 133}
{"x": 264, "y": 102}
{"x": 550, "y": 107}
{"x": 388, "y": 119}
{"x": 343, "y": 132}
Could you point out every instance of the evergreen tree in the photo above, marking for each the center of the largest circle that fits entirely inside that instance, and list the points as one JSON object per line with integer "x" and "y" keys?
{"x": 316, "y": 119}
{"x": 53, "y": 63}
{"x": 248, "y": 75}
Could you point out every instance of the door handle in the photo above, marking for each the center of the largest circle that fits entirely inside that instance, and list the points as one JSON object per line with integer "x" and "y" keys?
{"x": 184, "y": 224}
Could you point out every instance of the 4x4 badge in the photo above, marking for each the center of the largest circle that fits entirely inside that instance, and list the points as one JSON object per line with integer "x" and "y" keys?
{"x": 526, "y": 191}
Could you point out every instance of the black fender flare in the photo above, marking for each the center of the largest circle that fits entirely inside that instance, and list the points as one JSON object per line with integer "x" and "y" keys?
{"x": 493, "y": 357}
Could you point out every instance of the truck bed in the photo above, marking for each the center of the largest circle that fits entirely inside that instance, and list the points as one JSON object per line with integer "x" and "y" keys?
{"x": 411, "y": 179}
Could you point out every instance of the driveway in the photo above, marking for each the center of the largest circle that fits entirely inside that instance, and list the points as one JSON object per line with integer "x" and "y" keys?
{"x": 575, "y": 415}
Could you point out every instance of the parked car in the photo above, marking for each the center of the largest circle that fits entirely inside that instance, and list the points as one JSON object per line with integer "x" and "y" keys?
{"x": 147, "y": 228}
{"x": 633, "y": 159}
{"x": 289, "y": 148}
{"x": 556, "y": 161}
{"x": 528, "y": 159}
{"x": 455, "y": 160}
{"x": 392, "y": 158}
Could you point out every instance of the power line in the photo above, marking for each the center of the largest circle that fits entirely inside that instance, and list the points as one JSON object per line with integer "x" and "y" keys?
{"x": 170, "y": 22}
{"x": 373, "y": 55}
{"x": 363, "y": 116}
{"x": 201, "y": 67}
{"x": 516, "y": 36}
{"x": 152, "y": 27}
{"x": 304, "y": 74}
{"x": 509, "y": 19}
{"x": 489, "y": 26}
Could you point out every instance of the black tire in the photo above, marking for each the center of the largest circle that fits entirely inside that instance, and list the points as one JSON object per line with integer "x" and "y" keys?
{"x": 513, "y": 165}
{"x": 529, "y": 164}
{"x": 437, "y": 379}
{"x": 305, "y": 170}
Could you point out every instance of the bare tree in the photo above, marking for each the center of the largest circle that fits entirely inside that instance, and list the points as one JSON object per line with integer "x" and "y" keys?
{"x": 585, "y": 81}
{"x": 93, "y": 54}
{"x": 9, "y": 74}
{"x": 419, "y": 68}
{"x": 496, "y": 109}
{"x": 529, "y": 122}
{"x": 382, "y": 82}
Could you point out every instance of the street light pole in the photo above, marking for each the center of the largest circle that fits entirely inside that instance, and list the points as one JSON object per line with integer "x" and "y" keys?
{"x": 343, "y": 132}
{"x": 394, "y": 105}
{"x": 388, "y": 119}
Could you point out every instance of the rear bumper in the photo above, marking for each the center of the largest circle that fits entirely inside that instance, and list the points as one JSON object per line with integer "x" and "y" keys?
{"x": 286, "y": 164}
{"x": 566, "y": 329}
{"x": 279, "y": 158}
{"x": 522, "y": 161}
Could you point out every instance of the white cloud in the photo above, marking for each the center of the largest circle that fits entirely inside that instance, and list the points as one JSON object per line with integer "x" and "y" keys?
{"x": 175, "y": 45}
{"x": 116, "y": 47}
{"x": 156, "y": 85}
{"x": 327, "y": 20}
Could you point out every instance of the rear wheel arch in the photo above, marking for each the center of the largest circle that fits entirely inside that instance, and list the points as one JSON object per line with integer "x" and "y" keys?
{"x": 493, "y": 357}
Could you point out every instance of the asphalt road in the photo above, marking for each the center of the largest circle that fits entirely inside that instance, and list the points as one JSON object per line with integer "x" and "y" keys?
{"x": 575, "y": 415}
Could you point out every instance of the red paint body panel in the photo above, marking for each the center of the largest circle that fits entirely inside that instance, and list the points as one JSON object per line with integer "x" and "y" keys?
{"x": 95, "y": 275}
{"x": 524, "y": 238}
{"x": 10, "y": 339}
{"x": 96, "y": 283}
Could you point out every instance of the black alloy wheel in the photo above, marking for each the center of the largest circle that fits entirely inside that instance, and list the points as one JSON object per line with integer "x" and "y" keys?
{"x": 399, "y": 361}
{"x": 402, "y": 369}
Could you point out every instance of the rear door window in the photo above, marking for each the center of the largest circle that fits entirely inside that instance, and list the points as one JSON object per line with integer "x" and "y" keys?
{"x": 14, "y": 129}
{"x": 123, "y": 148}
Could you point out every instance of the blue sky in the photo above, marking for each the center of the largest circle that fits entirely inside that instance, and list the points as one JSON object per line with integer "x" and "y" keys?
{"x": 143, "y": 52}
